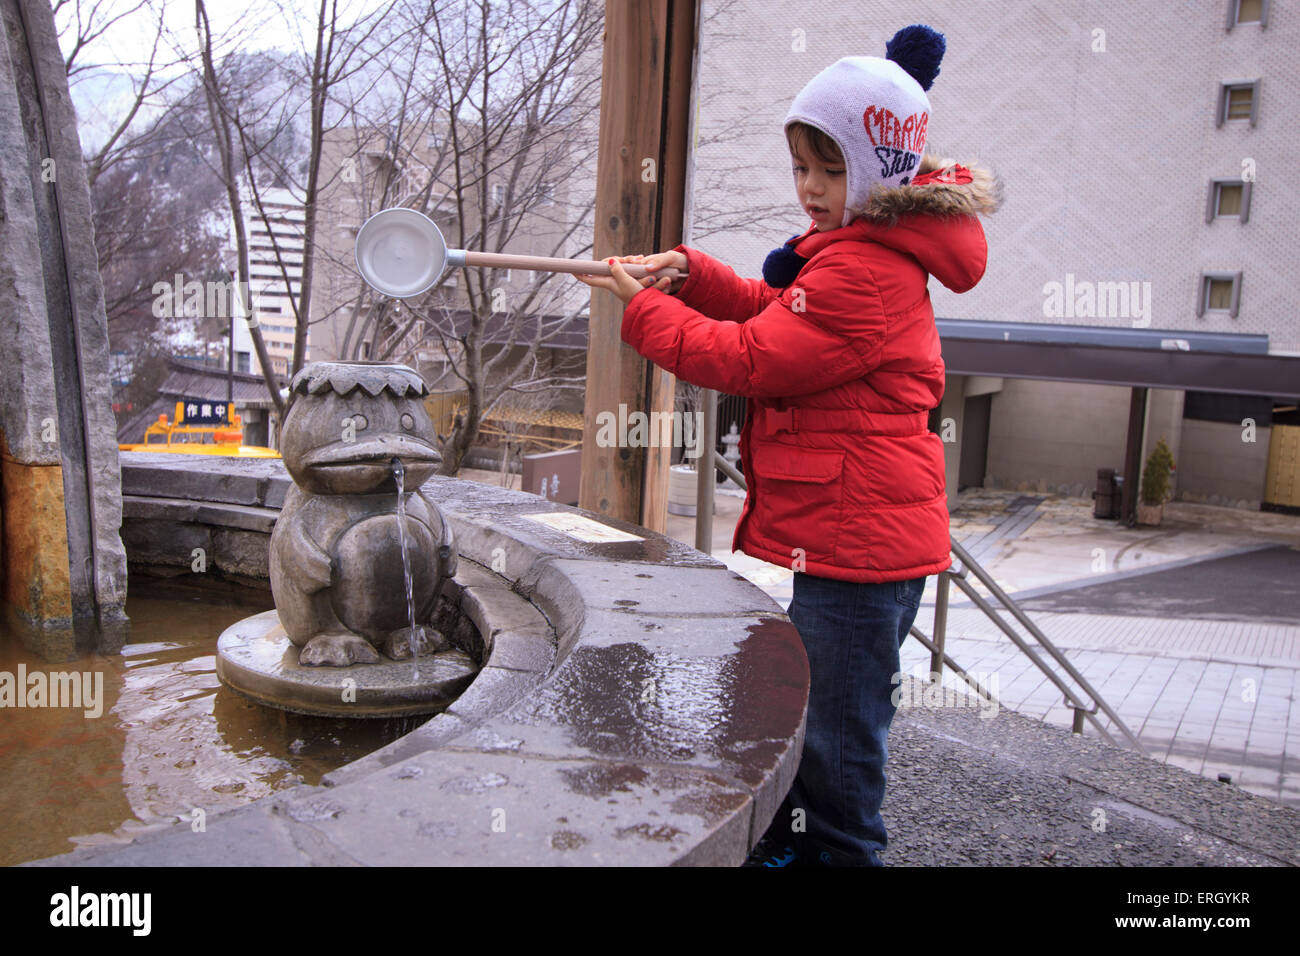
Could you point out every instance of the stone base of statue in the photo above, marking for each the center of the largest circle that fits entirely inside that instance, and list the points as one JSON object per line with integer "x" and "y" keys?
{"x": 256, "y": 658}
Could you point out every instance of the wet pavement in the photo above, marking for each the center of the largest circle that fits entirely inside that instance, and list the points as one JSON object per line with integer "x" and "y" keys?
{"x": 1261, "y": 585}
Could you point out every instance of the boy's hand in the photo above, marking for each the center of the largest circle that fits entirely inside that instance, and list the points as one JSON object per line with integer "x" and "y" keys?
{"x": 625, "y": 287}
{"x": 668, "y": 260}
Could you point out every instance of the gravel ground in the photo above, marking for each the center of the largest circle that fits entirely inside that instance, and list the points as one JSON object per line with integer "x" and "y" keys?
{"x": 1013, "y": 791}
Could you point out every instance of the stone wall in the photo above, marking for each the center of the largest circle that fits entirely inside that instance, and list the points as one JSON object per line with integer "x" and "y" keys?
{"x": 65, "y": 568}
{"x": 201, "y": 523}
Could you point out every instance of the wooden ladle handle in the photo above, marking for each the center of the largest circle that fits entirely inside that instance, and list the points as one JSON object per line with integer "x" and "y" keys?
{"x": 588, "y": 267}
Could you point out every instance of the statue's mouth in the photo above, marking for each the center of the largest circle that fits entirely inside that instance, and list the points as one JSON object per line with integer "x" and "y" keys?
{"x": 373, "y": 451}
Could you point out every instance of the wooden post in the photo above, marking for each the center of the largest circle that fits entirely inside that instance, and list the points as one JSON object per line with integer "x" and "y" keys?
{"x": 640, "y": 198}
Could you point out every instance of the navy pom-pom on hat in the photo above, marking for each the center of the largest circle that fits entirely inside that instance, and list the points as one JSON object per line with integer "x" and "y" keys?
{"x": 918, "y": 50}
{"x": 782, "y": 265}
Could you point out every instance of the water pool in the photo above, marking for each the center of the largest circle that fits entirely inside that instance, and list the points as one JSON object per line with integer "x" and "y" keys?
{"x": 169, "y": 743}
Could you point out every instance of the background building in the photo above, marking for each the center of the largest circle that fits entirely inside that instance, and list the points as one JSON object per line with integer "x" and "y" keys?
{"x": 275, "y": 252}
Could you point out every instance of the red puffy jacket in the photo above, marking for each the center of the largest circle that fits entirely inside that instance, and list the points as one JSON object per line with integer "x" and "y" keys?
{"x": 841, "y": 368}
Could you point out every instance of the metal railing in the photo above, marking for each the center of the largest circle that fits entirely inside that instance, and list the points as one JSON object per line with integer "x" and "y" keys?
{"x": 960, "y": 575}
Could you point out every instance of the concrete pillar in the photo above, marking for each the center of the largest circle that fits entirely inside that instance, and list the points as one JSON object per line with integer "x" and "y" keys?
{"x": 60, "y": 484}
{"x": 977, "y": 385}
{"x": 1165, "y": 420}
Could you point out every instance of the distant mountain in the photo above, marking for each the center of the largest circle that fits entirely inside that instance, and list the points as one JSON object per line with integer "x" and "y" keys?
{"x": 102, "y": 96}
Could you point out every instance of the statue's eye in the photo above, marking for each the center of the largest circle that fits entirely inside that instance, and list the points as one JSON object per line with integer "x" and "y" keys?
{"x": 359, "y": 422}
{"x": 407, "y": 421}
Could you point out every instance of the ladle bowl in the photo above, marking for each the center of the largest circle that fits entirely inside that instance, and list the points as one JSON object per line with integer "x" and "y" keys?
{"x": 401, "y": 253}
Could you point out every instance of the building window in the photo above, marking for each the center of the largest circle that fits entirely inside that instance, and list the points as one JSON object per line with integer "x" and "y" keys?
{"x": 1220, "y": 292}
{"x": 1247, "y": 11}
{"x": 548, "y": 194}
{"x": 1239, "y": 100}
{"x": 1228, "y": 198}
{"x": 499, "y": 193}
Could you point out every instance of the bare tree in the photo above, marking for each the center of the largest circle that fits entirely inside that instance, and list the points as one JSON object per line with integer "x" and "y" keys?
{"x": 85, "y": 22}
{"x": 486, "y": 121}
{"x": 342, "y": 51}
{"x": 223, "y": 121}
{"x": 152, "y": 221}
{"x": 150, "y": 188}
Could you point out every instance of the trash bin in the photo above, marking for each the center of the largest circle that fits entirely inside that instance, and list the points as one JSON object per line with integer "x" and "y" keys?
{"x": 1107, "y": 496}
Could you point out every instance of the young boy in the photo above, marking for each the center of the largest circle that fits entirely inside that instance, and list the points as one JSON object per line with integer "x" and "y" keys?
{"x": 837, "y": 350}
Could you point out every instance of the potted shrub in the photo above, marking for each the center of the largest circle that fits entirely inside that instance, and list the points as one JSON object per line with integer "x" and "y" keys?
{"x": 1156, "y": 485}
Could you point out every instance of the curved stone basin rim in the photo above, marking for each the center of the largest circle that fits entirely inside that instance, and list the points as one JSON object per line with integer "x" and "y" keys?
{"x": 657, "y": 719}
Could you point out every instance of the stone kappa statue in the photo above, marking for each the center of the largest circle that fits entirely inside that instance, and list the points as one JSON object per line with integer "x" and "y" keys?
{"x": 336, "y": 555}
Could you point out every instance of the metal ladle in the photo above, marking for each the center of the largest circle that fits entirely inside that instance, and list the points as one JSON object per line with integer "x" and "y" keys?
{"x": 400, "y": 252}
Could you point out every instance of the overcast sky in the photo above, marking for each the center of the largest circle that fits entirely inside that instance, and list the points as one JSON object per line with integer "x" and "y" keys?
{"x": 261, "y": 24}
{"x": 103, "y": 96}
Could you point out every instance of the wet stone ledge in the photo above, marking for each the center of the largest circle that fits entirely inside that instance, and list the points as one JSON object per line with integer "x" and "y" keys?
{"x": 640, "y": 704}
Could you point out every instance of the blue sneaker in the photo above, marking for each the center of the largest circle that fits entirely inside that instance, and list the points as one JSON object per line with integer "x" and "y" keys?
{"x": 770, "y": 853}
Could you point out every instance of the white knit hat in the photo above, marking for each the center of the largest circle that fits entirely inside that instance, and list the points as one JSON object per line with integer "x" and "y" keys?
{"x": 876, "y": 110}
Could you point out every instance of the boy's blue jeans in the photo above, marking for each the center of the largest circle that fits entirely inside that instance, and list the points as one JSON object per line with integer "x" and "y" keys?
{"x": 852, "y": 634}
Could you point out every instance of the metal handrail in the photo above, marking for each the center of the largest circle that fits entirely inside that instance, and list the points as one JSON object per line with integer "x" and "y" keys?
{"x": 938, "y": 657}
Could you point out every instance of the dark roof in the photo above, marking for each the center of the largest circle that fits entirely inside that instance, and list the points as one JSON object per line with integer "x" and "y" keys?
{"x": 1101, "y": 335}
{"x": 189, "y": 379}
{"x": 1156, "y": 358}
{"x": 130, "y": 429}
{"x": 1153, "y": 358}
{"x": 186, "y": 379}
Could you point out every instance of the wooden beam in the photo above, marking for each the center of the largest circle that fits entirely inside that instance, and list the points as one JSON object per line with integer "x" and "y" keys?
{"x": 640, "y": 198}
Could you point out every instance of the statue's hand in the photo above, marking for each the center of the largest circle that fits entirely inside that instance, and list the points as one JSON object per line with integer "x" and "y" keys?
{"x": 447, "y": 549}
{"x": 312, "y": 566}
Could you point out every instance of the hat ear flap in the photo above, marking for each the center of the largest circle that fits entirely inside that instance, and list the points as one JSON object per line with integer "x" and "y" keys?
{"x": 918, "y": 50}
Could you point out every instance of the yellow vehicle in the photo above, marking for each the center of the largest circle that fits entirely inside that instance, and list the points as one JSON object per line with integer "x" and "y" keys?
{"x": 185, "y": 439}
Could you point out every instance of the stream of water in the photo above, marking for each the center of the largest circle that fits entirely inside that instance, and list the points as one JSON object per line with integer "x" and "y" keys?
{"x": 399, "y": 474}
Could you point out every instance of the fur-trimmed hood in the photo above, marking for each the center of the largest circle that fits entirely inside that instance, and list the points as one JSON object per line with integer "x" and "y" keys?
{"x": 937, "y": 196}
{"x": 934, "y": 219}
